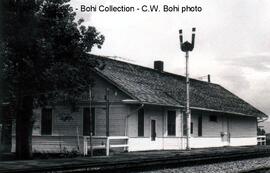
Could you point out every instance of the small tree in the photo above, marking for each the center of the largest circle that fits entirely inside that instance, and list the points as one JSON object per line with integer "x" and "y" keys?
{"x": 43, "y": 50}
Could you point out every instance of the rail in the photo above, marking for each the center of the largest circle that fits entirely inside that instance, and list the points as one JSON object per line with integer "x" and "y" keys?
{"x": 261, "y": 140}
{"x": 107, "y": 145}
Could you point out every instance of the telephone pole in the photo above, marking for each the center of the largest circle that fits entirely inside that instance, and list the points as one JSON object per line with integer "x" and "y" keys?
{"x": 187, "y": 47}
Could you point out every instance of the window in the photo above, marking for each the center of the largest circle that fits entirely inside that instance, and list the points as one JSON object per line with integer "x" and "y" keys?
{"x": 191, "y": 128}
{"x": 200, "y": 126}
{"x": 213, "y": 118}
{"x": 87, "y": 122}
{"x": 171, "y": 119}
{"x": 46, "y": 121}
{"x": 141, "y": 122}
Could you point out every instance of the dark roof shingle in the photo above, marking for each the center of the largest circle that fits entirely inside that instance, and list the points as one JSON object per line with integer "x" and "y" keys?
{"x": 163, "y": 88}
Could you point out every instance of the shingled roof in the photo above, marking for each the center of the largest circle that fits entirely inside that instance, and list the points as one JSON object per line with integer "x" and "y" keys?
{"x": 151, "y": 86}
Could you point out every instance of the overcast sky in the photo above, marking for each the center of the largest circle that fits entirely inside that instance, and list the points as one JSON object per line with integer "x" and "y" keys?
{"x": 232, "y": 41}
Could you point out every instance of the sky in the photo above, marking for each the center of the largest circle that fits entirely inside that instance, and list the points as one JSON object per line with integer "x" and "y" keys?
{"x": 232, "y": 40}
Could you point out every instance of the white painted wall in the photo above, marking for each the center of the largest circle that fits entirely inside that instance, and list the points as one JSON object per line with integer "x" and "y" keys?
{"x": 142, "y": 144}
{"x": 173, "y": 143}
{"x": 165, "y": 143}
{"x": 217, "y": 142}
{"x": 246, "y": 141}
{"x": 205, "y": 142}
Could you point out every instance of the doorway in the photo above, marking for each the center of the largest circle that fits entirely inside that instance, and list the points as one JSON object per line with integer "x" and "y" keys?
{"x": 153, "y": 130}
{"x": 225, "y": 135}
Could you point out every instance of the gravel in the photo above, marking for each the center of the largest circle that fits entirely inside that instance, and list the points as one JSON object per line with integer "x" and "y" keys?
{"x": 226, "y": 167}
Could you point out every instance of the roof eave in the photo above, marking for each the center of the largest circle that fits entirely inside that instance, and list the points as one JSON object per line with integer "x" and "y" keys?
{"x": 228, "y": 112}
{"x": 205, "y": 109}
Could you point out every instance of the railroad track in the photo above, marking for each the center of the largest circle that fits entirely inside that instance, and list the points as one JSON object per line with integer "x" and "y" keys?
{"x": 131, "y": 162}
{"x": 163, "y": 163}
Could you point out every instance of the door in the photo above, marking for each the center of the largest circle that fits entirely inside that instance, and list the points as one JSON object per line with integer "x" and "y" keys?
{"x": 225, "y": 134}
{"x": 153, "y": 130}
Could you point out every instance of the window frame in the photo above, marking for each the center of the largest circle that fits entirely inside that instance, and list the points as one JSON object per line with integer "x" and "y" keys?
{"x": 174, "y": 131}
{"x": 140, "y": 119}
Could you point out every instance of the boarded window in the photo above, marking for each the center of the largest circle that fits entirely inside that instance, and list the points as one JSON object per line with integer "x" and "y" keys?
{"x": 171, "y": 120}
{"x": 213, "y": 118}
{"x": 46, "y": 121}
{"x": 87, "y": 122}
{"x": 141, "y": 122}
{"x": 200, "y": 126}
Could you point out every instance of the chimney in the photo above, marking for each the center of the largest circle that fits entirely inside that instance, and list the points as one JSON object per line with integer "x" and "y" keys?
{"x": 209, "y": 78}
{"x": 158, "y": 65}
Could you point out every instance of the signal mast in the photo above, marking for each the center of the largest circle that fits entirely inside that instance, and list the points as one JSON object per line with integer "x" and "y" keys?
{"x": 187, "y": 47}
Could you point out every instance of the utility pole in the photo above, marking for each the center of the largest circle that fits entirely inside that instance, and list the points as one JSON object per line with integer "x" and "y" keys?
{"x": 187, "y": 47}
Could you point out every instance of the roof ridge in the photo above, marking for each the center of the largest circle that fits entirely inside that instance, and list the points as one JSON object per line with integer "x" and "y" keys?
{"x": 149, "y": 68}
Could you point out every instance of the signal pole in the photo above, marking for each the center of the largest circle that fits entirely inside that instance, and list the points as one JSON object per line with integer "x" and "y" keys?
{"x": 187, "y": 47}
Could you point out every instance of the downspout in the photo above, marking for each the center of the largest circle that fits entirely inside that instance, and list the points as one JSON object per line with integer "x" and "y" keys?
{"x": 128, "y": 115}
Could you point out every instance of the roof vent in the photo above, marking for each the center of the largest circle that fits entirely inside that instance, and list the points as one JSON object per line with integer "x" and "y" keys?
{"x": 158, "y": 65}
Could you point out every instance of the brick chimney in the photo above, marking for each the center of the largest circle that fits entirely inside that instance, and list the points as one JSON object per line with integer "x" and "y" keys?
{"x": 158, "y": 65}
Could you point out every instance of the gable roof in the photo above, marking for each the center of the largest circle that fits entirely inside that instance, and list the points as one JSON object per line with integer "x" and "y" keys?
{"x": 151, "y": 86}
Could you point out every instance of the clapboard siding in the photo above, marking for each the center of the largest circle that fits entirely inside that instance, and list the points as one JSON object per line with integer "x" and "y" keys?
{"x": 150, "y": 112}
{"x": 209, "y": 128}
{"x": 238, "y": 126}
{"x": 117, "y": 120}
{"x": 157, "y": 113}
{"x": 67, "y": 124}
{"x": 241, "y": 126}
{"x": 133, "y": 121}
{"x": 99, "y": 91}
